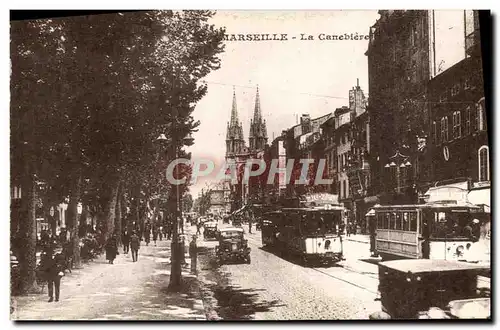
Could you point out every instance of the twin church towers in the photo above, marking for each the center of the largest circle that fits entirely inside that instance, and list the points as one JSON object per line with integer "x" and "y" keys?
{"x": 257, "y": 138}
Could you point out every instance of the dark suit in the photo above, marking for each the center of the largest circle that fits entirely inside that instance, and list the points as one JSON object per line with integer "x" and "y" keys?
{"x": 52, "y": 267}
{"x": 135, "y": 244}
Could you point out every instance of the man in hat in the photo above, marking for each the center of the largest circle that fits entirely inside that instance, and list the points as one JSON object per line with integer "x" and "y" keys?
{"x": 193, "y": 253}
{"x": 135, "y": 245}
{"x": 52, "y": 271}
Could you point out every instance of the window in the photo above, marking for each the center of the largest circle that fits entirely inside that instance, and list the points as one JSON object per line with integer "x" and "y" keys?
{"x": 398, "y": 225}
{"x": 435, "y": 132}
{"x": 380, "y": 221}
{"x": 386, "y": 221}
{"x": 413, "y": 221}
{"x": 467, "y": 121}
{"x": 444, "y": 129}
{"x": 392, "y": 222}
{"x": 457, "y": 127}
{"x": 406, "y": 221}
{"x": 342, "y": 193}
{"x": 455, "y": 89}
{"x": 484, "y": 163}
{"x": 481, "y": 125}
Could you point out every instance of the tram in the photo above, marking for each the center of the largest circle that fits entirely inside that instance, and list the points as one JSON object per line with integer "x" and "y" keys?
{"x": 310, "y": 231}
{"x": 441, "y": 230}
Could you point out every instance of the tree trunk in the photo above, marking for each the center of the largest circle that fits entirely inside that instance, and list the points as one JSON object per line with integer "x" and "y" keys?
{"x": 28, "y": 235}
{"x": 111, "y": 207}
{"x": 72, "y": 220}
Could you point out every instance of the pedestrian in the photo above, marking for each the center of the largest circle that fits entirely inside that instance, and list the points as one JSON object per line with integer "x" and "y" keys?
{"x": 170, "y": 228}
{"x": 155, "y": 235}
{"x": 52, "y": 272}
{"x": 135, "y": 245}
{"x": 249, "y": 226}
{"x": 126, "y": 241}
{"x": 193, "y": 253}
{"x": 198, "y": 227}
{"x": 160, "y": 233}
{"x": 147, "y": 233}
{"x": 111, "y": 249}
{"x": 349, "y": 227}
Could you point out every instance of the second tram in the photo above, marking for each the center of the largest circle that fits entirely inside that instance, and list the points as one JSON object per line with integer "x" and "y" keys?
{"x": 444, "y": 231}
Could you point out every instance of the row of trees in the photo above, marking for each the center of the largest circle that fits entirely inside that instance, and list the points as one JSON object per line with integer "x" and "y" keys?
{"x": 89, "y": 95}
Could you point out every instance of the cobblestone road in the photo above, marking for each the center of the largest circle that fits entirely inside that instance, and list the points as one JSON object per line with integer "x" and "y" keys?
{"x": 275, "y": 288}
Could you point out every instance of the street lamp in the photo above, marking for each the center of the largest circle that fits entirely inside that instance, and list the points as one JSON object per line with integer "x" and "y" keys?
{"x": 177, "y": 248}
{"x": 397, "y": 162}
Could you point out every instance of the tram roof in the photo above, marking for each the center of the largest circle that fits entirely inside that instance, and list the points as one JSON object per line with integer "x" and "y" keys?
{"x": 428, "y": 206}
{"x": 428, "y": 265}
{"x": 315, "y": 209}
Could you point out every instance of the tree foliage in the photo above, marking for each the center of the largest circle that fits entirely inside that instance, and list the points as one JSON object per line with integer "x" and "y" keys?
{"x": 90, "y": 94}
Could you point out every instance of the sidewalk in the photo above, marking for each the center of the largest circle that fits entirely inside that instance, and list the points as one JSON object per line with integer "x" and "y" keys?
{"x": 122, "y": 291}
{"x": 360, "y": 238}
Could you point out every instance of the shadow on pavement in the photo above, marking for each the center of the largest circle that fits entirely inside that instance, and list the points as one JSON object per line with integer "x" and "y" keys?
{"x": 239, "y": 304}
{"x": 226, "y": 301}
{"x": 297, "y": 260}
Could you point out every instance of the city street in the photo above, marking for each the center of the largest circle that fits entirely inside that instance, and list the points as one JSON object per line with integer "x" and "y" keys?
{"x": 275, "y": 288}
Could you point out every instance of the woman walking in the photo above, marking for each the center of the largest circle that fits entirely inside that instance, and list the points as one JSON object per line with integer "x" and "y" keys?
{"x": 111, "y": 249}
{"x": 155, "y": 235}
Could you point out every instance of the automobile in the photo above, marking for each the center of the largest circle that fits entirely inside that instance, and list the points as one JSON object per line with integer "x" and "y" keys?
{"x": 430, "y": 289}
{"x": 232, "y": 246}
{"x": 210, "y": 229}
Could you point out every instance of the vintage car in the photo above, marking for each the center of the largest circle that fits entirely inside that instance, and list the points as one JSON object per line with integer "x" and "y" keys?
{"x": 232, "y": 246}
{"x": 431, "y": 289}
{"x": 210, "y": 230}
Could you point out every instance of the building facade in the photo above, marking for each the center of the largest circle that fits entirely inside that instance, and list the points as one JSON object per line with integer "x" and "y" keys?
{"x": 416, "y": 61}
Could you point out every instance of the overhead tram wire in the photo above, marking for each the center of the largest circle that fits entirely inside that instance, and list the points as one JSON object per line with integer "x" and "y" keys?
{"x": 281, "y": 90}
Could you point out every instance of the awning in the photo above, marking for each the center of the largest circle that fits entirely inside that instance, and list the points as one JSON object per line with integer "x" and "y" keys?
{"x": 480, "y": 197}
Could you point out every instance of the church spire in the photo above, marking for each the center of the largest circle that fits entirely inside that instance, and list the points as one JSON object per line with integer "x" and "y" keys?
{"x": 234, "y": 111}
{"x": 257, "y": 113}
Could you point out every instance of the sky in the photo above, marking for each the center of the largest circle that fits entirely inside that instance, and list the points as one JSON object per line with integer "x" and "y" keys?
{"x": 294, "y": 77}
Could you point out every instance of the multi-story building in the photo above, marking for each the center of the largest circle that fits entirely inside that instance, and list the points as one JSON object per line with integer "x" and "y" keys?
{"x": 330, "y": 154}
{"x": 409, "y": 54}
{"x": 343, "y": 146}
{"x": 302, "y": 141}
{"x": 459, "y": 139}
{"x": 217, "y": 202}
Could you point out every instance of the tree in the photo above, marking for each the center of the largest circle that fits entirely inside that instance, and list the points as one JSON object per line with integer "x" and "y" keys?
{"x": 91, "y": 93}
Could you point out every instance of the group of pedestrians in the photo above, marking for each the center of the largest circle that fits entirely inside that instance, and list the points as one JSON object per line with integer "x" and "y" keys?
{"x": 131, "y": 242}
{"x": 52, "y": 267}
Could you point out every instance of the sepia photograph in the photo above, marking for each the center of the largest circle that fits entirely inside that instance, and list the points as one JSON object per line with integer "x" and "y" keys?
{"x": 250, "y": 165}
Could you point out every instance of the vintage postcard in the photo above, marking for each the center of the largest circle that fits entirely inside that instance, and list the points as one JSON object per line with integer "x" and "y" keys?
{"x": 250, "y": 165}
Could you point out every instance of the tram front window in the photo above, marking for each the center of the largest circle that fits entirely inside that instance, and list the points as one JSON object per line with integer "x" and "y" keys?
{"x": 451, "y": 225}
{"x": 321, "y": 223}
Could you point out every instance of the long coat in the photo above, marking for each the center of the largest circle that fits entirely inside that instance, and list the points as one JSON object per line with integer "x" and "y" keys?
{"x": 135, "y": 242}
{"x": 111, "y": 248}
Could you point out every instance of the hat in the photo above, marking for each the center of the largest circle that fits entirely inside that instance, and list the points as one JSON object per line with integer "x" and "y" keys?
{"x": 475, "y": 221}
